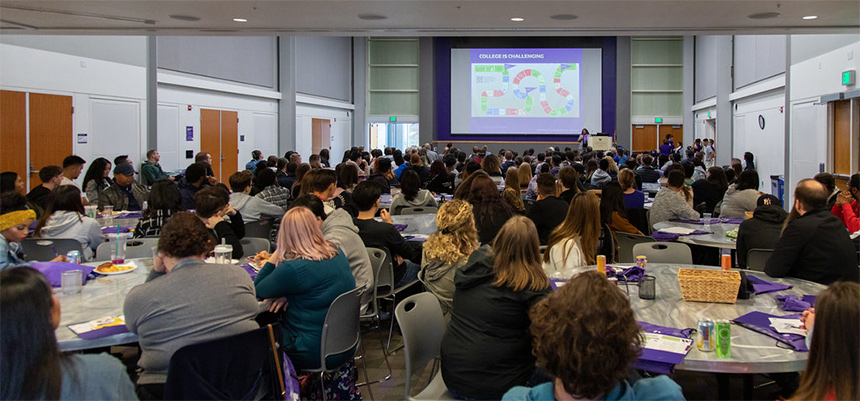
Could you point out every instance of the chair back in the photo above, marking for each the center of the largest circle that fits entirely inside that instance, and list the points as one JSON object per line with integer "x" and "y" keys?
{"x": 340, "y": 331}
{"x": 422, "y": 325}
{"x": 639, "y": 219}
{"x": 240, "y": 367}
{"x": 45, "y": 249}
{"x": 626, "y": 241}
{"x": 664, "y": 252}
{"x": 259, "y": 229}
{"x": 383, "y": 270}
{"x": 134, "y": 249}
{"x": 251, "y": 246}
{"x": 757, "y": 259}
{"x": 416, "y": 210}
{"x": 376, "y": 267}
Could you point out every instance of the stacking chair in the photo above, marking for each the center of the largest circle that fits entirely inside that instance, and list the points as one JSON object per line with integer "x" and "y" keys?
{"x": 259, "y": 229}
{"x": 253, "y": 245}
{"x": 377, "y": 260}
{"x": 240, "y": 367}
{"x": 385, "y": 282}
{"x": 626, "y": 241}
{"x": 423, "y": 327}
{"x": 757, "y": 259}
{"x": 134, "y": 249}
{"x": 664, "y": 252}
{"x": 44, "y": 249}
{"x": 340, "y": 331}
{"x": 416, "y": 210}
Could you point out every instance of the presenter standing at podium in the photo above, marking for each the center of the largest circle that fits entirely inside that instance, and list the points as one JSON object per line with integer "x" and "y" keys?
{"x": 583, "y": 139}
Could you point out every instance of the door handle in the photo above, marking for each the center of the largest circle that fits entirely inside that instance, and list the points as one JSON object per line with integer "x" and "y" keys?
{"x": 32, "y": 172}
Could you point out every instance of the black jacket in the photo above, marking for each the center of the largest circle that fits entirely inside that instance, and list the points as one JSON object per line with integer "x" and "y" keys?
{"x": 815, "y": 247}
{"x": 761, "y": 231}
{"x": 384, "y": 183}
{"x": 547, "y": 214}
{"x": 487, "y": 348}
{"x": 377, "y": 234}
{"x": 231, "y": 233}
{"x": 705, "y": 191}
{"x": 442, "y": 184}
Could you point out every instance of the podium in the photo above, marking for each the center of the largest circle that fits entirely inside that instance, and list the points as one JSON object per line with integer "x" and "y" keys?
{"x": 600, "y": 142}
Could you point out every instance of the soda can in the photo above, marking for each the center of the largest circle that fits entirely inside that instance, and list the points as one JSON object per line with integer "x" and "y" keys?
{"x": 601, "y": 264}
{"x": 641, "y": 261}
{"x": 74, "y": 257}
{"x": 726, "y": 261}
{"x": 706, "y": 333}
{"x": 724, "y": 338}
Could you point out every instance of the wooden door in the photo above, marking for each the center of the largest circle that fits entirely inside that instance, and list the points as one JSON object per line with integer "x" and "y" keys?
{"x": 50, "y": 132}
{"x": 325, "y": 135}
{"x": 316, "y": 135}
{"x": 644, "y": 138}
{"x": 13, "y": 133}
{"x": 210, "y": 137}
{"x": 229, "y": 143}
{"x": 842, "y": 137}
{"x": 676, "y": 130}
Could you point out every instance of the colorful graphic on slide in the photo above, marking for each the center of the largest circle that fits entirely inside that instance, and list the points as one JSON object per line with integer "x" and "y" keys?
{"x": 481, "y": 72}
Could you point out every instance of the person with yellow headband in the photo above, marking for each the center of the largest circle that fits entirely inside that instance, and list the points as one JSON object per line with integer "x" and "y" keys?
{"x": 15, "y": 220}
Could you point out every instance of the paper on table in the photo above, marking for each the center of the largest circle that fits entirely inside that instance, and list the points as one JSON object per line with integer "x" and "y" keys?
{"x": 677, "y": 230}
{"x": 99, "y": 323}
{"x": 787, "y": 326}
{"x": 666, "y": 343}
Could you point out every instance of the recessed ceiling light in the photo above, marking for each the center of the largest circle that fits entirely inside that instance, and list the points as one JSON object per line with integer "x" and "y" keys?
{"x": 184, "y": 17}
{"x": 811, "y": 17}
{"x": 240, "y": 20}
{"x": 517, "y": 19}
{"x": 763, "y": 15}
{"x": 372, "y": 17}
{"x": 564, "y": 17}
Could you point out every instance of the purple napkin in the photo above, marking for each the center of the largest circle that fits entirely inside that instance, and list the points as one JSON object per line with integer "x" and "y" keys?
{"x": 557, "y": 283}
{"x": 761, "y": 287}
{"x": 792, "y": 303}
{"x": 694, "y": 221}
{"x": 660, "y": 361}
{"x": 809, "y": 299}
{"x": 131, "y": 215}
{"x": 631, "y": 274}
{"x": 732, "y": 220}
{"x": 53, "y": 271}
{"x": 112, "y": 230}
{"x": 759, "y": 322}
{"x": 104, "y": 332}
{"x": 400, "y": 227}
{"x": 666, "y": 237}
{"x": 669, "y": 331}
{"x": 412, "y": 238}
{"x": 251, "y": 272}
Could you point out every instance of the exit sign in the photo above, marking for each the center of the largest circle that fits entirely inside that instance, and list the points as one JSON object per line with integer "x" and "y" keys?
{"x": 658, "y": 120}
{"x": 392, "y": 119}
{"x": 848, "y": 77}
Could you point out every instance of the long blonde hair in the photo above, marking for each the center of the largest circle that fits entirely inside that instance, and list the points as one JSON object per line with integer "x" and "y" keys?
{"x": 583, "y": 221}
{"x": 516, "y": 256}
{"x": 300, "y": 238}
{"x": 512, "y": 178}
{"x": 525, "y": 174}
{"x": 456, "y": 237}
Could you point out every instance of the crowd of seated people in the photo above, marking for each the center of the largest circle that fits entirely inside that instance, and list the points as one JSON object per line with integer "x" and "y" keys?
{"x": 483, "y": 263}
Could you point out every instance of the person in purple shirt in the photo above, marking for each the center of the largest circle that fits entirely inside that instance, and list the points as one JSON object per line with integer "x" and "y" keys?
{"x": 668, "y": 146}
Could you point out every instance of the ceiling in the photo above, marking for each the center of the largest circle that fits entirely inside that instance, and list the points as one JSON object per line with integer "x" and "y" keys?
{"x": 426, "y": 17}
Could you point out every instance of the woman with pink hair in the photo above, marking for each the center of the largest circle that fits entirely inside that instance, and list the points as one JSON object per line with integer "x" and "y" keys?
{"x": 310, "y": 272}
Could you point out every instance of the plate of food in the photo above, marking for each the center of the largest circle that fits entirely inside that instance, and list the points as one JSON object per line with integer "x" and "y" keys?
{"x": 110, "y": 269}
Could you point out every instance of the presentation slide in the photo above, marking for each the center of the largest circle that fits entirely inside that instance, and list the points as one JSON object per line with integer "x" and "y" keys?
{"x": 525, "y": 91}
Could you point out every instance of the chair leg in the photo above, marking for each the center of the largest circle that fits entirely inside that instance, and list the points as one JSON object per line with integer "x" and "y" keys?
{"x": 366, "y": 376}
{"x": 322, "y": 384}
{"x": 387, "y": 363}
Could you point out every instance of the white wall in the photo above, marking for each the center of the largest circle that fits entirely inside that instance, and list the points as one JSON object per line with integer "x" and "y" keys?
{"x": 768, "y": 144}
{"x": 341, "y": 129}
{"x": 105, "y": 94}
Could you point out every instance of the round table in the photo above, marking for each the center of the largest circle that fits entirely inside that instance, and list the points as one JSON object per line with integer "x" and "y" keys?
{"x": 424, "y": 224}
{"x": 751, "y": 352}
{"x": 715, "y": 239}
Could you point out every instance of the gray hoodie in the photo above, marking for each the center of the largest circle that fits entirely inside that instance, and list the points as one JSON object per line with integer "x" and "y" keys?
{"x": 736, "y": 203}
{"x": 341, "y": 231}
{"x": 66, "y": 224}
{"x": 423, "y": 198}
{"x": 254, "y": 208}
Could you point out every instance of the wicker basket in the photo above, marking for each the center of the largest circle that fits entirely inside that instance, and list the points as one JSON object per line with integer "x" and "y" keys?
{"x": 709, "y": 285}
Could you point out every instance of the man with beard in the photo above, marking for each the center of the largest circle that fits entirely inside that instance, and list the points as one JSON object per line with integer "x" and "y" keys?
{"x": 814, "y": 244}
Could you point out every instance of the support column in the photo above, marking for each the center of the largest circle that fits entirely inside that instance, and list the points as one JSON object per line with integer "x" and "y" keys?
{"x": 287, "y": 87}
{"x": 360, "y": 133}
{"x": 689, "y": 72}
{"x": 623, "y": 134}
{"x": 151, "y": 93}
{"x": 788, "y": 198}
{"x": 426, "y": 86}
{"x": 724, "y": 105}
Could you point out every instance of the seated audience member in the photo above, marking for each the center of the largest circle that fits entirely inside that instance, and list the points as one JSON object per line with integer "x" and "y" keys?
{"x": 710, "y": 190}
{"x": 447, "y": 250}
{"x": 741, "y": 197}
{"x": 164, "y": 201}
{"x": 10, "y": 181}
{"x": 253, "y": 208}
{"x": 296, "y": 188}
{"x": 124, "y": 193}
{"x": 762, "y": 231}
{"x": 206, "y": 159}
{"x": 491, "y": 211}
{"x": 211, "y": 205}
{"x": 31, "y": 364}
{"x": 749, "y": 164}
{"x": 272, "y": 192}
{"x": 286, "y": 173}
{"x": 185, "y": 300}
{"x": 122, "y": 159}
{"x": 65, "y": 218}
{"x": 847, "y": 205}
{"x": 314, "y": 161}
{"x": 569, "y": 184}
{"x": 323, "y": 184}
{"x": 673, "y": 201}
{"x": 586, "y": 338}
{"x": 51, "y": 177}
{"x": 525, "y": 173}
{"x": 256, "y": 156}
{"x": 347, "y": 176}
{"x": 360, "y": 164}
{"x": 591, "y": 166}
{"x": 416, "y": 164}
{"x": 411, "y": 194}
{"x": 383, "y": 234}
{"x": 339, "y": 228}
{"x": 612, "y": 212}
{"x": 304, "y": 276}
{"x": 548, "y": 212}
{"x": 441, "y": 179}
{"x": 150, "y": 170}
{"x": 193, "y": 181}
{"x": 384, "y": 176}
{"x": 324, "y": 157}
{"x": 574, "y": 244}
{"x": 601, "y": 176}
{"x": 72, "y": 167}
{"x": 511, "y": 193}
{"x": 491, "y": 165}
{"x": 509, "y": 162}
{"x": 486, "y": 349}
{"x": 646, "y": 172}
{"x": 15, "y": 220}
{"x": 834, "y": 346}
{"x": 633, "y": 198}
{"x": 97, "y": 179}
{"x": 814, "y": 244}
{"x": 829, "y": 182}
